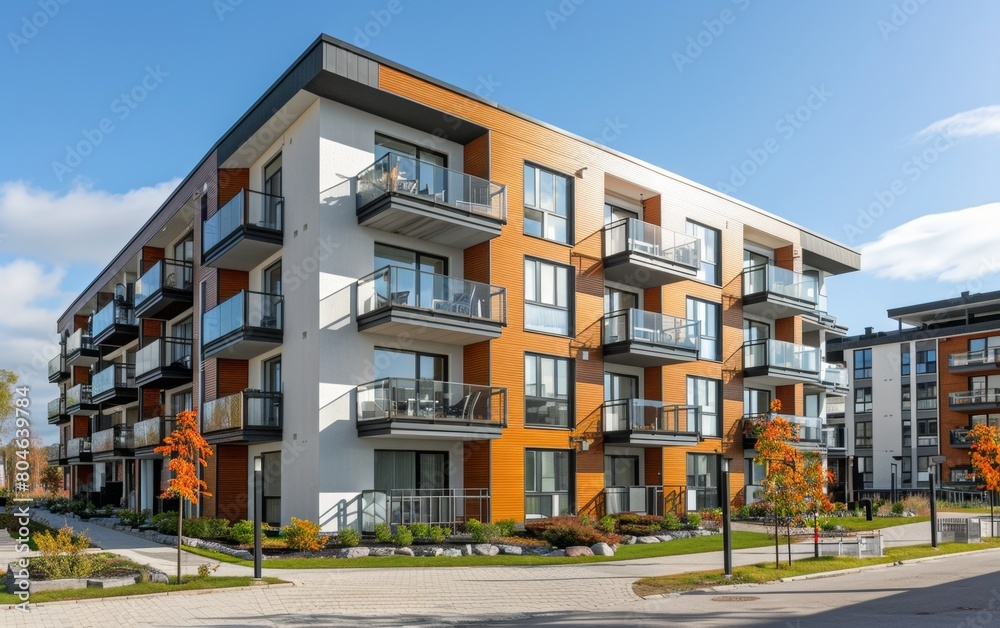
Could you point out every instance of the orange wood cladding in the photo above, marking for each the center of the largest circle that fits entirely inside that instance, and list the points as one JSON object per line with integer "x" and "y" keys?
{"x": 150, "y": 255}
{"x": 477, "y": 263}
{"x": 81, "y": 375}
{"x": 231, "y": 482}
{"x": 651, "y": 210}
{"x": 81, "y": 427}
{"x": 231, "y": 181}
{"x": 477, "y": 157}
{"x": 152, "y": 328}
{"x": 232, "y": 282}
{"x": 786, "y": 257}
{"x": 209, "y": 506}
{"x": 224, "y": 377}
{"x": 80, "y": 321}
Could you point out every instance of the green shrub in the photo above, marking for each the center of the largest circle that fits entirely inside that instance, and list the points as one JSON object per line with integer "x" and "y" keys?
{"x": 693, "y": 520}
{"x": 507, "y": 527}
{"x": 897, "y": 508}
{"x": 472, "y": 526}
{"x": 403, "y": 537}
{"x": 607, "y": 523}
{"x": 59, "y": 505}
{"x": 420, "y": 530}
{"x": 638, "y": 529}
{"x": 133, "y": 518}
{"x": 670, "y": 522}
{"x": 383, "y": 533}
{"x": 827, "y": 525}
{"x": 439, "y": 534}
{"x": 241, "y": 532}
{"x": 569, "y": 534}
{"x": 483, "y": 532}
{"x": 303, "y": 535}
{"x": 165, "y": 522}
{"x": 197, "y": 527}
{"x": 220, "y": 528}
{"x": 348, "y": 537}
{"x": 63, "y": 554}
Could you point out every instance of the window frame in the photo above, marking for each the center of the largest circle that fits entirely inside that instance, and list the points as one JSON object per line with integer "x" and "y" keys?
{"x": 693, "y": 380}
{"x": 717, "y": 262}
{"x": 570, "y": 295}
{"x": 866, "y": 400}
{"x": 570, "y": 389}
{"x": 570, "y": 489}
{"x": 863, "y": 434}
{"x": 536, "y": 206}
{"x": 716, "y": 338}
{"x": 866, "y": 364}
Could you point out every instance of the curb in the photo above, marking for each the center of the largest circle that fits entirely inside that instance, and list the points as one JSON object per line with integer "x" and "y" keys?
{"x": 912, "y": 561}
{"x": 165, "y": 593}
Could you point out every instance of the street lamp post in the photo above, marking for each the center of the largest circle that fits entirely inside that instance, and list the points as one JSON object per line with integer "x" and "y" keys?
{"x": 935, "y": 461}
{"x": 727, "y": 532}
{"x": 258, "y": 497}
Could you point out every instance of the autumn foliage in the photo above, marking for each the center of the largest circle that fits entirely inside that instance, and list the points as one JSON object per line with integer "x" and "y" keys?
{"x": 985, "y": 454}
{"x": 187, "y": 450}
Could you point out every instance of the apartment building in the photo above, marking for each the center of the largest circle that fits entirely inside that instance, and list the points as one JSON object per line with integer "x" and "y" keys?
{"x": 408, "y": 303}
{"x": 917, "y": 391}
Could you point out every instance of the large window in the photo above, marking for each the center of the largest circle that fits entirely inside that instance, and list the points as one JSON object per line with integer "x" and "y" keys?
{"x": 756, "y": 401}
{"x": 547, "y": 291}
{"x": 862, "y": 400}
{"x": 905, "y": 392}
{"x": 613, "y": 213}
{"x": 704, "y": 393}
{"x": 710, "y": 253}
{"x": 410, "y": 470}
{"x": 863, "y": 434}
{"x": 417, "y": 170}
{"x": 621, "y": 470}
{"x": 548, "y": 385}
{"x": 548, "y": 198}
{"x": 904, "y": 360}
{"x": 618, "y": 386}
{"x": 927, "y": 431}
{"x": 548, "y": 480}
{"x": 702, "y": 481}
{"x": 410, "y": 365}
{"x": 987, "y": 419}
{"x": 863, "y": 364}
{"x": 707, "y": 315}
{"x": 927, "y": 396}
{"x": 926, "y": 361}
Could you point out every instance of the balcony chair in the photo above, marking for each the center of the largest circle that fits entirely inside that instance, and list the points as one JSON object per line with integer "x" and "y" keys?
{"x": 464, "y": 408}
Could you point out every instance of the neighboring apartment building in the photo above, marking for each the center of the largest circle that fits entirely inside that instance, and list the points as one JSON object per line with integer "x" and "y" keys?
{"x": 916, "y": 392}
{"x": 414, "y": 304}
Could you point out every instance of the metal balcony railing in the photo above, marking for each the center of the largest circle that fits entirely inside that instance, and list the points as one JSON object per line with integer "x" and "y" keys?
{"x": 175, "y": 352}
{"x": 650, "y": 328}
{"x": 975, "y": 397}
{"x": 989, "y": 356}
{"x": 767, "y": 278}
{"x": 57, "y": 407}
{"x": 634, "y": 236}
{"x": 165, "y": 273}
{"x": 78, "y": 395}
{"x": 624, "y": 415}
{"x": 395, "y": 286}
{"x": 247, "y": 209}
{"x": 114, "y": 376}
{"x": 80, "y": 339}
{"x": 247, "y": 409}
{"x": 150, "y": 432}
{"x": 77, "y": 446}
{"x": 423, "y": 399}
{"x": 243, "y": 310}
{"x": 780, "y": 354}
{"x": 116, "y": 437}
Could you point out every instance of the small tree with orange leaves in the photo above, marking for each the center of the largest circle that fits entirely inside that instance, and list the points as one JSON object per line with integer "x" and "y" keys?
{"x": 985, "y": 455}
{"x": 187, "y": 450}
{"x": 794, "y": 481}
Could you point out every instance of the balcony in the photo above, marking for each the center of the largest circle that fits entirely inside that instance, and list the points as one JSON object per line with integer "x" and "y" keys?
{"x": 810, "y": 429}
{"x": 423, "y": 408}
{"x": 79, "y": 402}
{"x": 639, "y": 254}
{"x": 779, "y": 363}
{"x": 835, "y": 407}
{"x": 644, "y": 500}
{"x": 148, "y": 434}
{"x": 80, "y": 349}
{"x": 401, "y": 195}
{"x": 244, "y": 326}
{"x": 164, "y": 363}
{"x": 834, "y": 439}
{"x": 960, "y": 437}
{"x": 52, "y": 455}
{"x": 116, "y": 442}
{"x": 245, "y": 231}
{"x": 642, "y": 423}
{"x": 58, "y": 371}
{"x": 640, "y": 338}
{"x": 821, "y": 321}
{"x": 165, "y": 290}
{"x": 778, "y": 292}
{"x": 246, "y": 417}
{"x": 57, "y": 411}
{"x": 115, "y": 385}
{"x": 974, "y": 400}
{"x": 114, "y": 325}
{"x": 972, "y": 361}
{"x": 833, "y": 379}
{"x": 78, "y": 450}
{"x": 427, "y": 306}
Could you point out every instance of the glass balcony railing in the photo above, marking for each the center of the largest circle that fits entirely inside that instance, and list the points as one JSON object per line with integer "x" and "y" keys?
{"x": 57, "y": 407}
{"x": 650, "y": 328}
{"x": 114, "y": 313}
{"x": 163, "y": 352}
{"x": 634, "y": 236}
{"x": 424, "y": 399}
{"x": 624, "y": 415}
{"x": 75, "y": 447}
{"x": 78, "y": 341}
{"x": 780, "y": 354}
{"x": 246, "y": 209}
{"x": 116, "y": 437}
{"x": 78, "y": 395}
{"x": 980, "y": 396}
{"x": 243, "y": 310}
{"x": 57, "y": 366}
{"x": 810, "y": 428}
{"x": 834, "y": 437}
{"x": 989, "y": 356}
{"x": 248, "y": 409}
{"x": 772, "y": 279}
{"x": 960, "y": 437}
{"x": 395, "y": 286}
{"x": 164, "y": 274}
{"x": 834, "y": 375}
{"x": 399, "y": 174}
{"x": 114, "y": 376}
{"x": 150, "y": 432}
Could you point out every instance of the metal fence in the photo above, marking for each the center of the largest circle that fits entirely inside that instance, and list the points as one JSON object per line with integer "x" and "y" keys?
{"x": 959, "y": 530}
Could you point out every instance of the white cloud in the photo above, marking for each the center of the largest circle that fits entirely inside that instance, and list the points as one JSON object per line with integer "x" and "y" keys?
{"x": 981, "y": 122}
{"x": 82, "y": 225}
{"x": 953, "y": 246}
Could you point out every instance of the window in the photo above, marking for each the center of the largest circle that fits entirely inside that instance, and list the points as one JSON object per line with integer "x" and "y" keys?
{"x": 755, "y": 330}
{"x": 616, "y": 300}
{"x": 410, "y": 365}
{"x": 863, "y": 364}
{"x": 704, "y": 393}
{"x": 710, "y": 251}
{"x": 413, "y": 284}
{"x": 988, "y": 419}
{"x": 961, "y": 474}
{"x": 621, "y": 470}
{"x": 272, "y": 186}
{"x": 548, "y": 384}
{"x": 548, "y": 482}
{"x": 977, "y": 344}
{"x": 752, "y": 259}
{"x": 547, "y": 203}
{"x": 547, "y": 290}
{"x": 617, "y": 386}
{"x": 414, "y": 169}
{"x": 904, "y": 360}
{"x": 702, "y": 481}
{"x": 812, "y": 405}
{"x": 180, "y": 402}
{"x": 866, "y": 470}
{"x": 863, "y": 434}
{"x": 756, "y": 401}
{"x": 907, "y": 433}
{"x": 410, "y": 471}
{"x": 707, "y": 315}
{"x": 272, "y": 375}
{"x": 927, "y": 396}
{"x": 927, "y": 432}
{"x": 613, "y": 214}
{"x": 905, "y": 392}
{"x": 862, "y": 400}
{"x": 184, "y": 250}
{"x": 906, "y": 470}
{"x": 926, "y": 361}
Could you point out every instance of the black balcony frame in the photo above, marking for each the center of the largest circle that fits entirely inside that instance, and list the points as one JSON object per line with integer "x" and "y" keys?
{"x": 172, "y": 375}
{"x": 248, "y": 244}
{"x": 246, "y": 434}
{"x": 124, "y": 389}
{"x": 168, "y": 301}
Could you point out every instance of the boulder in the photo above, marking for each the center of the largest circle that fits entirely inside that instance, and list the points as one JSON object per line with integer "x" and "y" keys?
{"x": 428, "y": 551}
{"x": 452, "y": 553}
{"x": 557, "y": 553}
{"x": 646, "y": 540}
{"x": 513, "y": 550}
{"x": 157, "y": 576}
{"x": 382, "y": 551}
{"x": 485, "y": 549}
{"x": 579, "y": 550}
{"x": 664, "y": 538}
{"x": 353, "y": 552}
{"x": 404, "y": 551}
{"x": 628, "y": 539}
{"x": 602, "y": 549}
{"x": 243, "y": 555}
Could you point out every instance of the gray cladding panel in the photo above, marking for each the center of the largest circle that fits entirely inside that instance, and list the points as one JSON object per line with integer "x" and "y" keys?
{"x": 350, "y": 65}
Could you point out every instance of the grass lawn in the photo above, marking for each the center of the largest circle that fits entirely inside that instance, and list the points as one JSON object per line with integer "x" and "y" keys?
{"x": 10, "y": 523}
{"x": 696, "y": 545}
{"x": 189, "y": 584}
{"x": 766, "y": 572}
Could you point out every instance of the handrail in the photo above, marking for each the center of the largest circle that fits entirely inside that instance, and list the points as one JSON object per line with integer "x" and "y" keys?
{"x": 397, "y": 286}
{"x": 650, "y": 327}
{"x": 244, "y": 309}
{"x": 248, "y": 208}
{"x": 405, "y": 398}
{"x": 635, "y": 236}
{"x": 788, "y": 283}
{"x": 161, "y": 352}
{"x": 622, "y": 415}
{"x": 165, "y": 273}
{"x": 982, "y": 357}
{"x": 781, "y": 354}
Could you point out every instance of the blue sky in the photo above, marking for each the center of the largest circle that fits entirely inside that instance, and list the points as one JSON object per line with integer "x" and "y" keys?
{"x": 875, "y": 123}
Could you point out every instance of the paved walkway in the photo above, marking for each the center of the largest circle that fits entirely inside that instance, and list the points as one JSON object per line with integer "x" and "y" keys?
{"x": 385, "y": 596}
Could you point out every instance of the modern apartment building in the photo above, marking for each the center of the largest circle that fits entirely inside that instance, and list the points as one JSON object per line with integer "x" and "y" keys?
{"x": 411, "y": 303}
{"x": 917, "y": 391}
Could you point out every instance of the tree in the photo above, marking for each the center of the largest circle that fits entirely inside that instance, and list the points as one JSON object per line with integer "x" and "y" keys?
{"x": 52, "y": 480}
{"x": 794, "y": 481}
{"x": 187, "y": 450}
{"x": 985, "y": 455}
{"x": 8, "y": 380}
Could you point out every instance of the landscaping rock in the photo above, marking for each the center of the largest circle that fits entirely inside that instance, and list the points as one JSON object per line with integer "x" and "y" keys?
{"x": 112, "y": 583}
{"x": 579, "y": 550}
{"x": 556, "y": 553}
{"x": 404, "y": 551}
{"x": 452, "y": 553}
{"x": 353, "y": 552}
{"x": 601, "y": 549}
{"x": 485, "y": 549}
{"x": 242, "y": 555}
{"x": 664, "y": 538}
{"x": 647, "y": 540}
{"x": 382, "y": 551}
{"x": 159, "y": 577}
{"x": 628, "y": 539}
{"x": 428, "y": 551}
{"x": 513, "y": 550}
